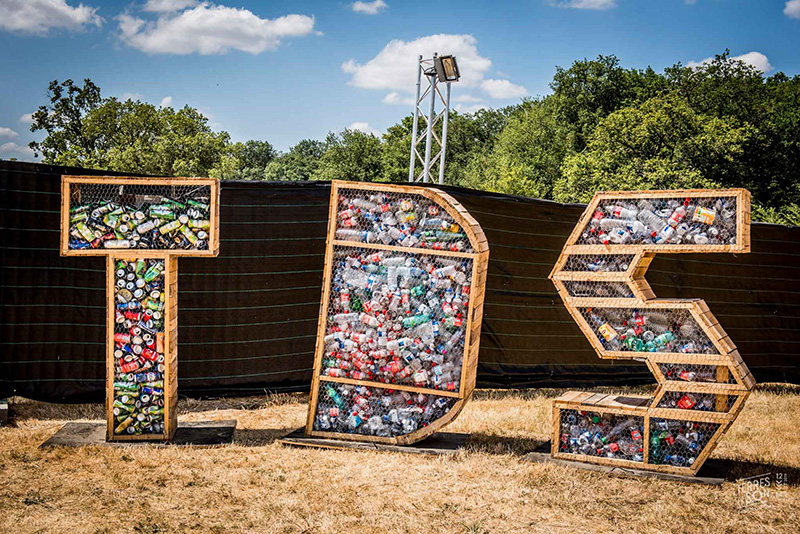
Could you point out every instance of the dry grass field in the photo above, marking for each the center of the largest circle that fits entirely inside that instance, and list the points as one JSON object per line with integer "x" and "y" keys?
{"x": 256, "y": 485}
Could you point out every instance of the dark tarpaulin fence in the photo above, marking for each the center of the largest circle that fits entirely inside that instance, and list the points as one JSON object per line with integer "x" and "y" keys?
{"x": 247, "y": 319}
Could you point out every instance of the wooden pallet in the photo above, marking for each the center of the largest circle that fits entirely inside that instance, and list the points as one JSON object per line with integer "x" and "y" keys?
{"x": 193, "y": 433}
{"x": 713, "y": 473}
{"x": 70, "y": 193}
{"x": 727, "y": 360}
{"x": 438, "y": 444}
{"x": 480, "y": 263}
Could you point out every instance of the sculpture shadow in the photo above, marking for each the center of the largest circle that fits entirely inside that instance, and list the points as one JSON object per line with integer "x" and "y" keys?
{"x": 494, "y": 444}
{"x": 259, "y": 437}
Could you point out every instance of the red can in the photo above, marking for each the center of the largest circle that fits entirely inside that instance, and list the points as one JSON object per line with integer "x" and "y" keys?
{"x": 122, "y": 338}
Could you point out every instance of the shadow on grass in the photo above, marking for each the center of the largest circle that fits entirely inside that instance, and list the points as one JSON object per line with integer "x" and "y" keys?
{"x": 732, "y": 470}
{"x": 547, "y": 393}
{"x": 494, "y": 444}
{"x": 251, "y": 437}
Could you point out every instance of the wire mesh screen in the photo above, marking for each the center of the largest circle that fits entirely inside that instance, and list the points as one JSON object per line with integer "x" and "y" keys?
{"x": 598, "y": 263}
{"x": 669, "y": 220}
{"x": 397, "y": 318}
{"x": 648, "y": 330}
{"x": 691, "y": 372}
{"x": 139, "y": 347}
{"x": 399, "y": 219}
{"x": 678, "y": 443}
{"x": 598, "y": 289}
{"x": 351, "y": 409}
{"x": 697, "y": 402}
{"x": 139, "y": 216}
{"x": 602, "y": 435}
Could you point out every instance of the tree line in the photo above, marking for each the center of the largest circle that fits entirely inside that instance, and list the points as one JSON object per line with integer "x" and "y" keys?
{"x": 603, "y": 127}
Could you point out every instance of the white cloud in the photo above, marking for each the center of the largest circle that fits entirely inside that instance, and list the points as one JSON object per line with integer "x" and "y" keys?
{"x": 37, "y": 17}
{"x": 756, "y": 59}
{"x": 166, "y": 102}
{"x": 467, "y": 98}
{"x": 26, "y": 118}
{"x": 130, "y": 96}
{"x": 584, "y": 4}
{"x": 365, "y": 128}
{"x": 13, "y": 150}
{"x": 167, "y": 6}
{"x": 395, "y": 67}
{"x": 396, "y": 98}
{"x": 792, "y": 9}
{"x": 474, "y": 108}
{"x": 8, "y": 133}
{"x": 369, "y": 8}
{"x": 503, "y": 89}
{"x": 210, "y": 29}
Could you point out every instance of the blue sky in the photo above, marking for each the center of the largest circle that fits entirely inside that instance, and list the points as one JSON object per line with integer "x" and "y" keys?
{"x": 287, "y": 70}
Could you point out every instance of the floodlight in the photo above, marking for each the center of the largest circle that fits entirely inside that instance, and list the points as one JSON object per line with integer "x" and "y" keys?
{"x": 446, "y": 68}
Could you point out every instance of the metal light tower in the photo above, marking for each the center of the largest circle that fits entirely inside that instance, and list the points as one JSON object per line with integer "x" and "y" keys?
{"x": 438, "y": 69}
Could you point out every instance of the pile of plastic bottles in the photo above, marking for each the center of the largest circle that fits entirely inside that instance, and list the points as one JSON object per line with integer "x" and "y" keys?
{"x": 404, "y": 220}
{"x": 629, "y": 329}
{"x": 701, "y": 402}
{"x": 598, "y": 263}
{"x": 668, "y": 221}
{"x": 139, "y": 347}
{"x": 682, "y": 372}
{"x": 397, "y": 318}
{"x": 678, "y": 443}
{"x": 350, "y": 409}
{"x": 606, "y": 435}
{"x": 149, "y": 222}
{"x": 598, "y": 289}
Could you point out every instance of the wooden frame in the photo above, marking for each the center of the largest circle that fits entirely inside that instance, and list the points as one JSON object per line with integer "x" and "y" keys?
{"x": 66, "y": 192}
{"x": 480, "y": 260}
{"x": 170, "y": 258}
{"x": 727, "y": 360}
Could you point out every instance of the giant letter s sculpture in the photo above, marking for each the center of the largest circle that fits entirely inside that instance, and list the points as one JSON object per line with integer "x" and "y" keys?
{"x": 702, "y": 380}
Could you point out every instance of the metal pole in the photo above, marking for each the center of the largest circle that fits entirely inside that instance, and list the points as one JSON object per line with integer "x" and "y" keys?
{"x": 432, "y": 78}
{"x": 416, "y": 122}
{"x": 444, "y": 133}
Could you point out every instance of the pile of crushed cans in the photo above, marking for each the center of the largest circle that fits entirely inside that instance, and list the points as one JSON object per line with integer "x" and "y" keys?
{"x": 139, "y": 347}
{"x": 352, "y": 409}
{"x": 154, "y": 222}
{"x": 689, "y": 221}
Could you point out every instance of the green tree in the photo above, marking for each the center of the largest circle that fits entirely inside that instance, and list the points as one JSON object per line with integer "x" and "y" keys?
{"x": 252, "y": 158}
{"x": 351, "y": 155}
{"x": 62, "y": 119}
{"x": 527, "y": 155}
{"x": 300, "y": 163}
{"x": 84, "y": 129}
{"x": 659, "y": 144}
{"x": 396, "y": 150}
{"x": 590, "y": 90}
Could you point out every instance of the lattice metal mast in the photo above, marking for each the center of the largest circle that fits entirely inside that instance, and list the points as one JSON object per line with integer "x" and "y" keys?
{"x": 433, "y": 70}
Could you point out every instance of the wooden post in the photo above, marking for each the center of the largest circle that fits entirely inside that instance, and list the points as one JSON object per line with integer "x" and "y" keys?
{"x": 475, "y": 251}
{"x": 159, "y": 355}
{"x": 726, "y": 381}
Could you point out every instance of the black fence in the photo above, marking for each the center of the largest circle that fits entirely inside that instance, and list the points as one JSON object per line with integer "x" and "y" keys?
{"x": 247, "y": 319}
